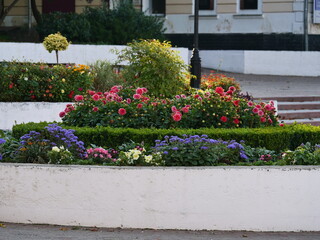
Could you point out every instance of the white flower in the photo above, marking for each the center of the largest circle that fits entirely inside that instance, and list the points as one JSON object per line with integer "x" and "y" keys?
{"x": 55, "y": 149}
{"x": 135, "y": 156}
{"x": 148, "y": 158}
{"x": 25, "y": 78}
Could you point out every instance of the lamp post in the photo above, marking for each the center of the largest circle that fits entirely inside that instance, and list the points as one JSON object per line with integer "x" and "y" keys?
{"x": 195, "y": 59}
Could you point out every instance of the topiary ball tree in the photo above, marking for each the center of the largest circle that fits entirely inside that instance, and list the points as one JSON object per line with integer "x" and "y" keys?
{"x": 56, "y": 42}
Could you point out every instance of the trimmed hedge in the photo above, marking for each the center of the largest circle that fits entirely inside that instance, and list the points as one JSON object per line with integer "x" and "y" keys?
{"x": 272, "y": 138}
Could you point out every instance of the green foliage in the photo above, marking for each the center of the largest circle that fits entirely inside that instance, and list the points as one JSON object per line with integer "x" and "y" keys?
{"x": 73, "y": 26}
{"x": 105, "y": 76}
{"x": 60, "y": 155}
{"x": 122, "y": 24}
{"x": 154, "y": 65}
{"x": 25, "y": 81}
{"x": 116, "y": 26}
{"x": 305, "y": 154}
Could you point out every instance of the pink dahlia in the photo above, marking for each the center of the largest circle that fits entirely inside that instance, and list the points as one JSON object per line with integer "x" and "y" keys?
{"x": 78, "y": 98}
{"x": 62, "y": 114}
{"x": 177, "y": 116}
{"x": 95, "y": 97}
{"x": 122, "y": 111}
{"x": 219, "y": 90}
{"x": 136, "y": 96}
{"x": 223, "y": 119}
{"x": 139, "y": 91}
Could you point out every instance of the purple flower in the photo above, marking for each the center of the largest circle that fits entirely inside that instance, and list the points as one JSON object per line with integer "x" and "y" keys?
{"x": 2, "y": 141}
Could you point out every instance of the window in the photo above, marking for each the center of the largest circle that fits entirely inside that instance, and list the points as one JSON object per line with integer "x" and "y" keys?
{"x": 206, "y": 4}
{"x": 158, "y": 6}
{"x": 248, "y": 4}
{"x": 250, "y": 7}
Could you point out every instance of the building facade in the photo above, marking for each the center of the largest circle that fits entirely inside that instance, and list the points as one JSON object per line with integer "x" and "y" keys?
{"x": 223, "y": 24}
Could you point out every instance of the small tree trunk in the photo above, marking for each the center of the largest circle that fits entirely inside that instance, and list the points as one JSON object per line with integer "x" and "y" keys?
{"x": 35, "y": 11}
{"x": 4, "y": 12}
{"x": 57, "y": 56}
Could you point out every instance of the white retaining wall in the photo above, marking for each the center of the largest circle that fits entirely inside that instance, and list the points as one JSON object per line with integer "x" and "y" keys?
{"x": 211, "y": 198}
{"x": 12, "y": 113}
{"x": 287, "y": 63}
{"x": 76, "y": 53}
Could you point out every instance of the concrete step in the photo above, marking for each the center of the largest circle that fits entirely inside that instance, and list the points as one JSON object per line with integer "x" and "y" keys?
{"x": 313, "y": 121}
{"x": 299, "y": 114}
{"x": 291, "y": 99}
{"x": 298, "y": 105}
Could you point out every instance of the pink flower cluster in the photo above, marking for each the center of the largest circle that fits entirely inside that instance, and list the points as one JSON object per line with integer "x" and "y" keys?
{"x": 263, "y": 110}
{"x": 98, "y": 153}
{"x": 177, "y": 114}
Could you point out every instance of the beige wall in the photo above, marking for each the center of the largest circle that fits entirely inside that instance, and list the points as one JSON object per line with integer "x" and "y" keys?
{"x": 172, "y": 6}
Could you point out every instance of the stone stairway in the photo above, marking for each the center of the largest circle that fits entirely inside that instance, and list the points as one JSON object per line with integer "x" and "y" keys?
{"x": 298, "y": 109}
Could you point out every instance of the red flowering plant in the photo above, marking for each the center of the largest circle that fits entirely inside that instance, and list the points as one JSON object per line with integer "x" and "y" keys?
{"x": 214, "y": 80}
{"x": 41, "y": 82}
{"x": 129, "y": 107}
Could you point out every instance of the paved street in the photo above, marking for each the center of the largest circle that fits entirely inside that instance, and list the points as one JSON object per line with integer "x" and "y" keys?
{"x": 45, "y": 232}
{"x": 275, "y": 86}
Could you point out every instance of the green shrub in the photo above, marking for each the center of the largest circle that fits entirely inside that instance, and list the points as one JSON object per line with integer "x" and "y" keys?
{"x": 73, "y": 26}
{"x": 100, "y": 25}
{"x": 105, "y": 76}
{"x": 156, "y": 66}
{"x": 122, "y": 24}
{"x": 272, "y": 138}
{"x": 25, "y": 81}
{"x": 305, "y": 154}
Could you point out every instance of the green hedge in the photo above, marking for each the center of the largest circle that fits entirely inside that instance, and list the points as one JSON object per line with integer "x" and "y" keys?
{"x": 273, "y": 138}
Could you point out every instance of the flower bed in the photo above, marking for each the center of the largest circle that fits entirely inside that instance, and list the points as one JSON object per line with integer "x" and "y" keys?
{"x": 211, "y": 198}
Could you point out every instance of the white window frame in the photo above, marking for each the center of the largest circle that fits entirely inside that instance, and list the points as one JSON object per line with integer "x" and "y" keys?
{"x": 147, "y": 7}
{"x": 206, "y": 12}
{"x": 250, "y": 11}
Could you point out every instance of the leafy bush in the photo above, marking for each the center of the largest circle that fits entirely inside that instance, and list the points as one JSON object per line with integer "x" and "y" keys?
{"x": 130, "y": 107}
{"x": 73, "y": 26}
{"x": 116, "y": 26}
{"x": 122, "y": 24}
{"x": 105, "y": 76}
{"x": 154, "y": 65}
{"x": 305, "y": 154}
{"x": 24, "y": 81}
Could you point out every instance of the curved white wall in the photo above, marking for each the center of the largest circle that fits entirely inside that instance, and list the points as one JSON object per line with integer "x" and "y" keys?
{"x": 211, "y": 198}
{"x": 76, "y": 53}
{"x": 12, "y": 113}
{"x": 286, "y": 63}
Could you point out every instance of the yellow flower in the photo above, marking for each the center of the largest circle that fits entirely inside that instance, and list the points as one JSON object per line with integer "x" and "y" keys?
{"x": 62, "y": 91}
{"x": 63, "y": 80}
